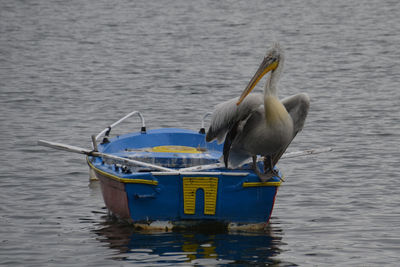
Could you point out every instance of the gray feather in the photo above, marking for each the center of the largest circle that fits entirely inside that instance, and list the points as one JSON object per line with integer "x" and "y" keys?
{"x": 227, "y": 114}
{"x": 297, "y": 107}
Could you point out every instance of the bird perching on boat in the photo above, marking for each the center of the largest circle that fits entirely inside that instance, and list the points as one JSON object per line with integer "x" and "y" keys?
{"x": 259, "y": 124}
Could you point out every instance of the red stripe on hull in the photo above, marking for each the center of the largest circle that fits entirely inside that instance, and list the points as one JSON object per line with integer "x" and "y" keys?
{"x": 273, "y": 204}
{"x": 114, "y": 196}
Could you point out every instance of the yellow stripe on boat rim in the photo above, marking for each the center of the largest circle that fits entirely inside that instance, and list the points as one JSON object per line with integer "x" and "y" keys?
{"x": 258, "y": 184}
{"x": 122, "y": 180}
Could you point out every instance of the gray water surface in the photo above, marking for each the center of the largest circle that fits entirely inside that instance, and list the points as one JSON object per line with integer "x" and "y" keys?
{"x": 70, "y": 68}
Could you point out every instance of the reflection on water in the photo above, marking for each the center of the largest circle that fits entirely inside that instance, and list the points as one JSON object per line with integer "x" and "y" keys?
{"x": 204, "y": 248}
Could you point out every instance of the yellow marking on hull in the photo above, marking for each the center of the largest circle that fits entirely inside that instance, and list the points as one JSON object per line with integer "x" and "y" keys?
{"x": 190, "y": 187}
{"x": 258, "y": 184}
{"x": 122, "y": 180}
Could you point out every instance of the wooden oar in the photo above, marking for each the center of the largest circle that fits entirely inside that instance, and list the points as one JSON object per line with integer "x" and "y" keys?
{"x": 84, "y": 151}
{"x": 88, "y": 152}
{"x": 306, "y": 152}
{"x": 286, "y": 155}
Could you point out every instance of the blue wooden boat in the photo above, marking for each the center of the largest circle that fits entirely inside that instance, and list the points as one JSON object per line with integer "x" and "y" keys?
{"x": 184, "y": 195}
{"x": 169, "y": 178}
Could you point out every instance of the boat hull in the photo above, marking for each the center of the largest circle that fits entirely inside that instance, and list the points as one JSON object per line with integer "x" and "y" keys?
{"x": 184, "y": 199}
{"x": 187, "y": 200}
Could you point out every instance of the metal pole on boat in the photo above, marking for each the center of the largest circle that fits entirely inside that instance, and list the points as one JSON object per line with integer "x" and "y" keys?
{"x": 88, "y": 152}
{"x": 286, "y": 155}
{"x": 203, "y": 129}
{"x": 94, "y": 143}
{"x": 108, "y": 129}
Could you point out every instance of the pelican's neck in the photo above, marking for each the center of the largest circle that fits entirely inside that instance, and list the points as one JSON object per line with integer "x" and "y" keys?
{"x": 273, "y": 78}
{"x": 274, "y": 109}
{"x": 272, "y": 81}
{"x": 270, "y": 87}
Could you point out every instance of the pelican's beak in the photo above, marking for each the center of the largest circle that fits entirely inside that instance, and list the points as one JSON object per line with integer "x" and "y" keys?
{"x": 266, "y": 66}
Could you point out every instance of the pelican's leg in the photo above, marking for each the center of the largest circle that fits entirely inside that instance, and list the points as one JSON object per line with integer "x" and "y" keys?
{"x": 255, "y": 167}
{"x": 264, "y": 177}
{"x": 268, "y": 165}
{"x": 269, "y": 168}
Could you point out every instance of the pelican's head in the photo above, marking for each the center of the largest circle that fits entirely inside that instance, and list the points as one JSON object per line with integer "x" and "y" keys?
{"x": 269, "y": 63}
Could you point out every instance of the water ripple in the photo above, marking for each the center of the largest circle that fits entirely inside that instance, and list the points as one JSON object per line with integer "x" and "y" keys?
{"x": 69, "y": 68}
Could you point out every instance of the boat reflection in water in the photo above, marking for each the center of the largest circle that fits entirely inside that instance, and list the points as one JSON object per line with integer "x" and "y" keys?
{"x": 203, "y": 247}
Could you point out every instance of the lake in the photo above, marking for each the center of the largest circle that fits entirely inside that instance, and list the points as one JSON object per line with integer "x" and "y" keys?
{"x": 70, "y": 68}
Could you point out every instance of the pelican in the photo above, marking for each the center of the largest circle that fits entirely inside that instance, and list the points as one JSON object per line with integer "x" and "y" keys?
{"x": 259, "y": 124}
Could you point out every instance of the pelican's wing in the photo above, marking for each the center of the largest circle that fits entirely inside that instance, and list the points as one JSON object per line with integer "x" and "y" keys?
{"x": 297, "y": 107}
{"x": 228, "y": 114}
{"x": 234, "y": 154}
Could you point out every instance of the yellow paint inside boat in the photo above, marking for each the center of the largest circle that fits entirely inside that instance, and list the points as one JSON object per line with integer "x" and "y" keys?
{"x": 175, "y": 149}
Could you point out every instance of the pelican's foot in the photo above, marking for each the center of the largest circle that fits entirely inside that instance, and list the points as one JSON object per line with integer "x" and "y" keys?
{"x": 269, "y": 175}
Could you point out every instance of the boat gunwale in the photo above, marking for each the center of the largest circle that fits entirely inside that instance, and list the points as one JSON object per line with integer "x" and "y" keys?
{"x": 155, "y": 182}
